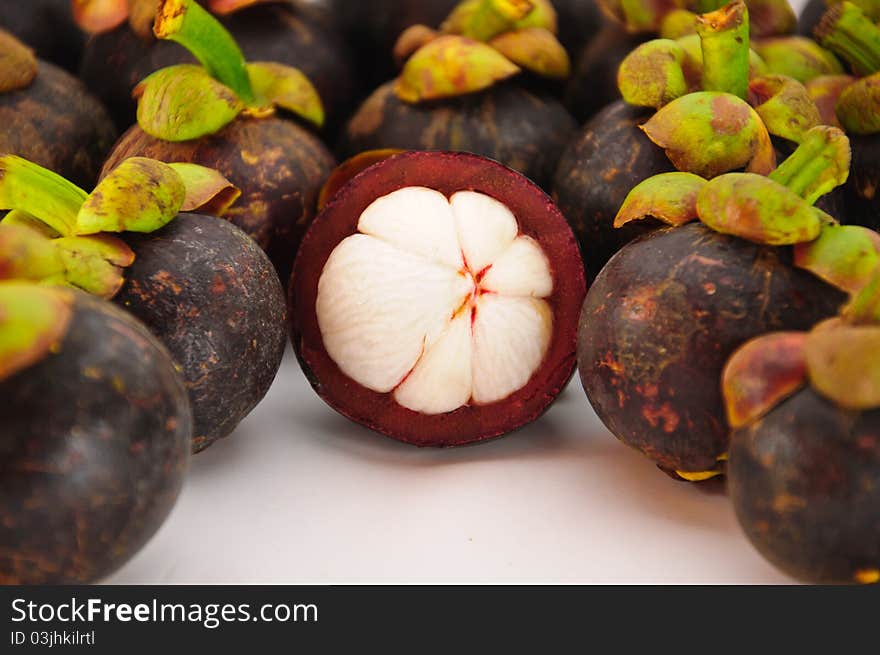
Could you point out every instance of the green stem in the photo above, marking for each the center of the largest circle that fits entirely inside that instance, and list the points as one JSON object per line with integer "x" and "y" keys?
{"x": 820, "y": 163}
{"x": 864, "y": 307}
{"x": 30, "y": 188}
{"x": 846, "y": 31}
{"x": 724, "y": 35}
{"x": 186, "y": 23}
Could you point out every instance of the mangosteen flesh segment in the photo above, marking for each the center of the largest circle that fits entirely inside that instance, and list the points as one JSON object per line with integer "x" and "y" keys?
{"x": 803, "y": 482}
{"x": 661, "y": 320}
{"x": 94, "y": 446}
{"x": 208, "y": 292}
{"x": 439, "y": 302}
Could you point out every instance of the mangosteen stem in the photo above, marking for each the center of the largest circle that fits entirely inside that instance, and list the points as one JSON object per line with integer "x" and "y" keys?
{"x": 724, "y": 36}
{"x": 846, "y": 31}
{"x": 864, "y": 307}
{"x": 186, "y": 23}
{"x": 30, "y": 188}
{"x": 820, "y": 163}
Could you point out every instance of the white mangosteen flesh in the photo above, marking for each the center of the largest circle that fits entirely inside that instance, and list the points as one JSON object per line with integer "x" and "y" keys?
{"x": 438, "y": 301}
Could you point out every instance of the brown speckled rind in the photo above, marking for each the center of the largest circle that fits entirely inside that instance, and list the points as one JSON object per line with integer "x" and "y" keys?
{"x": 56, "y": 123}
{"x": 447, "y": 173}
{"x": 94, "y": 445}
{"x": 805, "y": 483}
{"x": 278, "y": 166}
{"x": 509, "y": 124}
{"x": 661, "y": 320}
{"x": 212, "y": 297}
{"x": 600, "y": 166}
{"x": 115, "y": 62}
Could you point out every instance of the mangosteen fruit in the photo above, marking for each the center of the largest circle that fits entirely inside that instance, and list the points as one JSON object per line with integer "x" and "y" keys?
{"x": 435, "y": 299}
{"x": 95, "y": 435}
{"x": 663, "y": 316}
{"x": 455, "y": 91}
{"x": 805, "y": 453}
{"x": 211, "y": 296}
{"x": 117, "y": 58}
{"x": 48, "y": 116}
{"x": 47, "y": 26}
{"x": 235, "y": 128}
{"x": 198, "y": 283}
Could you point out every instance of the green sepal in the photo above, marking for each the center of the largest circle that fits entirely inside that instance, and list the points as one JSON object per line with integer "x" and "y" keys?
{"x": 708, "y": 133}
{"x": 139, "y": 195}
{"x": 287, "y": 88}
{"x": 94, "y": 263}
{"x": 858, "y": 107}
{"x": 678, "y": 23}
{"x": 483, "y": 19}
{"x": 18, "y": 65}
{"x": 668, "y": 197}
{"x": 864, "y": 305}
{"x": 33, "y": 321}
{"x": 843, "y": 364}
{"x": 640, "y": 15}
{"x": 825, "y": 92}
{"x": 797, "y": 57}
{"x": 652, "y": 74}
{"x": 846, "y": 31}
{"x": 820, "y": 164}
{"x": 183, "y": 102}
{"x": 534, "y": 49}
{"x": 845, "y": 256}
{"x": 756, "y": 208}
{"x": 785, "y": 106}
{"x": 27, "y": 253}
{"x": 207, "y": 191}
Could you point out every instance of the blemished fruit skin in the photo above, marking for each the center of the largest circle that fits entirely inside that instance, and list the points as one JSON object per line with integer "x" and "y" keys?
{"x": 447, "y": 173}
{"x": 56, "y": 123}
{"x": 94, "y": 445}
{"x": 47, "y": 26}
{"x": 212, "y": 297}
{"x": 597, "y": 170}
{"x": 863, "y": 187}
{"x": 803, "y": 481}
{"x": 116, "y": 61}
{"x": 661, "y": 320}
{"x": 524, "y": 131}
{"x": 593, "y": 83}
{"x": 278, "y": 165}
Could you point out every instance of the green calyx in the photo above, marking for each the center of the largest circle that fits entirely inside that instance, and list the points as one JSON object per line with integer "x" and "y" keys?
{"x": 653, "y": 74}
{"x": 845, "y": 256}
{"x": 55, "y": 233}
{"x": 667, "y": 197}
{"x": 819, "y": 165}
{"x": 33, "y": 321}
{"x": 858, "y": 106}
{"x": 724, "y": 35}
{"x": 785, "y": 106}
{"x": 186, "y": 102}
{"x": 646, "y": 15}
{"x": 825, "y": 92}
{"x": 482, "y": 42}
{"x": 18, "y": 65}
{"x": 797, "y": 57}
{"x": 849, "y": 33}
{"x": 843, "y": 364}
{"x": 678, "y": 23}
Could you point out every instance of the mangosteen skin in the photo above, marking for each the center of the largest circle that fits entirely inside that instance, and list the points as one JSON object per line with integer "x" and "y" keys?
{"x": 810, "y": 16}
{"x": 94, "y": 446}
{"x": 593, "y": 83}
{"x": 863, "y": 187}
{"x": 803, "y": 482}
{"x": 596, "y": 172}
{"x": 524, "y": 131}
{"x": 56, "y": 123}
{"x": 661, "y": 320}
{"x": 116, "y": 61}
{"x": 278, "y": 165}
{"x": 47, "y": 26}
{"x": 212, "y": 297}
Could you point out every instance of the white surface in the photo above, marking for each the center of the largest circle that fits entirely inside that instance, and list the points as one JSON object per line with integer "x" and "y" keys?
{"x": 300, "y": 495}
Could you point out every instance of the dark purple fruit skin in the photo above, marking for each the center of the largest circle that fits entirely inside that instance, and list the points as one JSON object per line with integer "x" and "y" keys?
{"x": 115, "y": 62}
{"x": 593, "y": 83}
{"x": 804, "y": 483}
{"x": 56, "y": 123}
{"x": 212, "y": 297}
{"x": 863, "y": 187}
{"x": 94, "y": 445}
{"x": 810, "y": 16}
{"x": 596, "y": 172}
{"x": 509, "y": 124}
{"x": 47, "y": 26}
{"x": 278, "y": 166}
{"x": 661, "y": 320}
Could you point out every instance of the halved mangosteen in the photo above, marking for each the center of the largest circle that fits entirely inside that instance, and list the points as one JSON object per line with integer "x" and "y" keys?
{"x": 48, "y": 116}
{"x": 435, "y": 299}
{"x": 94, "y": 435}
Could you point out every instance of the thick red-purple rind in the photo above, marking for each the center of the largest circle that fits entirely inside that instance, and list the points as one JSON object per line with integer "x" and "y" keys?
{"x": 446, "y": 172}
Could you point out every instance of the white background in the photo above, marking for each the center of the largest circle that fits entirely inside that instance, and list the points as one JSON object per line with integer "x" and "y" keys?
{"x": 300, "y": 495}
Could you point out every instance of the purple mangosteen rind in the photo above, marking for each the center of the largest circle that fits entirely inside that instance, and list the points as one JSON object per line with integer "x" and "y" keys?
{"x": 447, "y": 173}
{"x": 99, "y": 505}
{"x": 207, "y": 292}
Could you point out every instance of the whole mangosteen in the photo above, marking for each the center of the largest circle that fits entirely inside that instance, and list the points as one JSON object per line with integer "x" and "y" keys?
{"x": 454, "y": 92}
{"x": 94, "y": 436}
{"x": 435, "y": 299}
{"x": 234, "y": 128}
{"x": 119, "y": 55}
{"x": 47, "y": 26}
{"x": 48, "y": 116}
{"x": 663, "y": 316}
